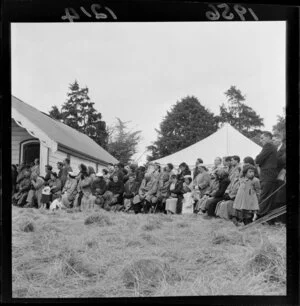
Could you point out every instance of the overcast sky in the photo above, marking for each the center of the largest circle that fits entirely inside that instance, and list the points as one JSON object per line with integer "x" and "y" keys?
{"x": 137, "y": 71}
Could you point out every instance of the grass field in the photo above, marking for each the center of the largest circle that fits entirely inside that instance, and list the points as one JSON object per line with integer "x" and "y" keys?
{"x": 105, "y": 254}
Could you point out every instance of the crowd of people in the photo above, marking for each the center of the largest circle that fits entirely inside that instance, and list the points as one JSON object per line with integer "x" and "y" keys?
{"x": 241, "y": 192}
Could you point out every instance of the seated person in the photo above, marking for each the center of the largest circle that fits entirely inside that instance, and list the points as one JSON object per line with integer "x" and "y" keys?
{"x": 113, "y": 197}
{"x": 224, "y": 208}
{"x": 162, "y": 192}
{"x": 201, "y": 182}
{"x": 55, "y": 185}
{"x": 35, "y": 193}
{"x": 188, "y": 201}
{"x": 210, "y": 192}
{"x": 222, "y": 177}
{"x": 99, "y": 187}
{"x": 19, "y": 198}
{"x": 131, "y": 189}
{"x": 147, "y": 191}
{"x": 175, "y": 192}
{"x": 69, "y": 190}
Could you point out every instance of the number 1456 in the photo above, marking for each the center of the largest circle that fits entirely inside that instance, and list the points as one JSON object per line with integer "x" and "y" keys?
{"x": 226, "y": 14}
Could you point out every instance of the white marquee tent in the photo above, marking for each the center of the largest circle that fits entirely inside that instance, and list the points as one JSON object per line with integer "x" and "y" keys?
{"x": 224, "y": 142}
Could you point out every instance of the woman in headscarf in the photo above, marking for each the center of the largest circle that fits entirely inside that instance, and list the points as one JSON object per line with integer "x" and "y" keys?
{"x": 159, "y": 199}
{"x": 69, "y": 190}
{"x": 175, "y": 192}
{"x": 201, "y": 183}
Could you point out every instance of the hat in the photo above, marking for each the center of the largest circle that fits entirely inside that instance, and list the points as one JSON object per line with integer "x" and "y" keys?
{"x": 99, "y": 174}
{"x": 72, "y": 174}
{"x": 188, "y": 176}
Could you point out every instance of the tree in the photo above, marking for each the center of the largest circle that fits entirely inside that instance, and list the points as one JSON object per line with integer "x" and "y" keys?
{"x": 185, "y": 124}
{"x": 279, "y": 127}
{"x": 122, "y": 143}
{"x": 240, "y": 115}
{"x": 79, "y": 113}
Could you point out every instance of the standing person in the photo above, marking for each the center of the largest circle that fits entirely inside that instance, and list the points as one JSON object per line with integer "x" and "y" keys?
{"x": 250, "y": 161}
{"x": 69, "y": 190}
{"x": 246, "y": 201}
{"x": 280, "y": 197}
{"x": 91, "y": 173}
{"x": 106, "y": 175}
{"x": 60, "y": 167}
{"x": 48, "y": 170}
{"x": 65, "y": 171}
{"x": 267, "y": 161}
{"x": 35, "y": 169}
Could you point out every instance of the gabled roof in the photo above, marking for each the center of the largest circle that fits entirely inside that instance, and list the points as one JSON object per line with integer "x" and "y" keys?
{"x": 55, "y": 132}
{"x": 226, "y": 141}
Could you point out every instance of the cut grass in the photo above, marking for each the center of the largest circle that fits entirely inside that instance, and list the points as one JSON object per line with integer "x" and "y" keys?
{"x": 88, "y": 254}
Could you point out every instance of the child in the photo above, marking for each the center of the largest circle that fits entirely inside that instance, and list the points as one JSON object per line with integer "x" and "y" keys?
{"x": 56, "y": 204}
{"x": 245, "y": 204}
{"x": 188, "y": 201}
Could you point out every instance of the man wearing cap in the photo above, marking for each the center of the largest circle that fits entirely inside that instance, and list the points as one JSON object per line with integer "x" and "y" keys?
{"x": 69, "y": 190}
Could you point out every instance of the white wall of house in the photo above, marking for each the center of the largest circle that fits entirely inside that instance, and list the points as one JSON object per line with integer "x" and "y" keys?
{"x": 55, "y": 157}
{"x": 18, "y": 135}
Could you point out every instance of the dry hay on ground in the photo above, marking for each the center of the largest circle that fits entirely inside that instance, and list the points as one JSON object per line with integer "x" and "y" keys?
{"x": 104, "y": 254}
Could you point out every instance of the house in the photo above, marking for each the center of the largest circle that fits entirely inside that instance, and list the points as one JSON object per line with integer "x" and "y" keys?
{"x": 37, "y": 135}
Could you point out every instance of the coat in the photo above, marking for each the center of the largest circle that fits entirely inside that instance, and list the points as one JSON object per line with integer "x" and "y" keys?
{"x": 130, "y": 189}
{"x": 281, "y": 158}
{"x": 99, "y": 186}
{"x": 116, "y": 188}
{"x": 148, "y": 187}
{"x": 202, "y": 180}
{"x": 70, "y": 188}
{"x": 178, "y": 190}
{"x": 248, "y": 194}
{"x": 267, "y": 161}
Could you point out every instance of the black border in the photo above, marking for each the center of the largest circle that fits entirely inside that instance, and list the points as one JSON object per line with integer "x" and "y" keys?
{"x": 51, "y": 11}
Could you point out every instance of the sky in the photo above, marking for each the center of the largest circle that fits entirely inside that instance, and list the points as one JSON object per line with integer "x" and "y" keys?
{"x": 137, "y": 71}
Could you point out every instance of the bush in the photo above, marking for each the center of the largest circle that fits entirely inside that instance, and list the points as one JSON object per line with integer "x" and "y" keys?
{"x": 27, "y": 225}
{"x": 99, "y": 219}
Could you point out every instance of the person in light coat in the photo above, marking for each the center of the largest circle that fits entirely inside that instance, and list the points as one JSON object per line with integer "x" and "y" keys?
{"x": 69, "y": 190}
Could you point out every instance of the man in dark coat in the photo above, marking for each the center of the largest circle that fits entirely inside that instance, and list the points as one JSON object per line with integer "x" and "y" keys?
{"x": 267, "y": 161}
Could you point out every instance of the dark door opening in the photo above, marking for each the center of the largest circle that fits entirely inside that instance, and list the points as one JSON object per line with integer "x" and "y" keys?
{"x": 31, "y": 151}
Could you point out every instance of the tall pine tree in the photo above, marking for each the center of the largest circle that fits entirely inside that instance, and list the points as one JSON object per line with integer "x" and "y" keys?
{"x": 187, "y": 123}
{"x": 79, "y": 113}
{"x": 240, "y": 115}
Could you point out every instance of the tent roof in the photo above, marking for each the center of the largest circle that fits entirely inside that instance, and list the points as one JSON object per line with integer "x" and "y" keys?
{"x": 59, "y": 132}
{"x": 226, "y": 141}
